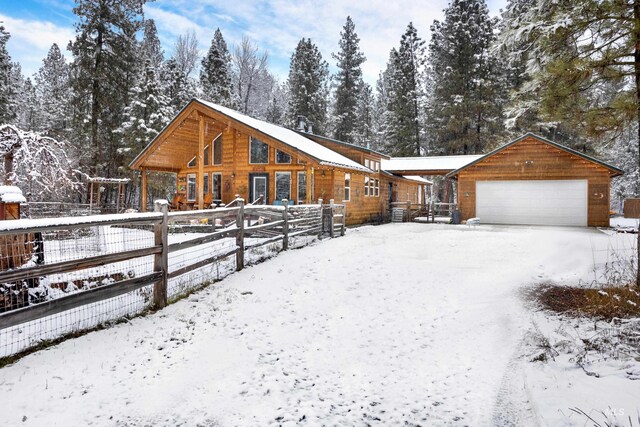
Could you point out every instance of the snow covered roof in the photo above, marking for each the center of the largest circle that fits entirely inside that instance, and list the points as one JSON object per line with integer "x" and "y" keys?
{"x": 102, "y": 180}
{"x": 434, "y": 164}
{"x": 11, "y": 194}
{"x": 418, "y": 179}
{"x": 613, "y": 170}
{"x": 324, "y": 155}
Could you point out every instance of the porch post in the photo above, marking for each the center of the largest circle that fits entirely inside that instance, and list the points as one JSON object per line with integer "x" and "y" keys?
{"x": 201, "y": 163}
{"x": 143, "y": 192}
{"x": 309, "y": 179}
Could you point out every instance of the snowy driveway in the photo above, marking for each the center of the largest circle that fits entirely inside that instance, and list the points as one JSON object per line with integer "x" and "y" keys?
{"x": 403, "y": 323}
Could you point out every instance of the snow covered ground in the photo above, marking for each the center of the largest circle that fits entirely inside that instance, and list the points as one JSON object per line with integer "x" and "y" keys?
{"x": 408, "y": 324}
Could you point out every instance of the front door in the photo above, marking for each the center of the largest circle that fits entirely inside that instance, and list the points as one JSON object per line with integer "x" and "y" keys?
{"x": 258, "y": 186}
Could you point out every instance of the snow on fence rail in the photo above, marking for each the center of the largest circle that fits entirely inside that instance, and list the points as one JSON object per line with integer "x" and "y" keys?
{"x": 63, "y": 275}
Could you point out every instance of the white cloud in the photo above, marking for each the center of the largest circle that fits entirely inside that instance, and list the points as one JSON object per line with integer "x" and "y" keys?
{"x": 277, "y": 25}
{"x": 31, "y": 39}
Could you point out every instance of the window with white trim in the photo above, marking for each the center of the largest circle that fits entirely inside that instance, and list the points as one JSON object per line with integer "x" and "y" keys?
{"x": 217, "y": 150}
{"x": 191, "y": 187}
{"x": 371, "y": 186}
{"x": 366, "y": 185}
{"x": 258, "y": 152}
{"x": 282, "y": 157}
{"x": 377, "y": 188}
{"x": 216, "y": 186}
{"x": 347, "y": 187}
{"x": 283, "y": 186}
{"x": 302, "y": 187}
{"x": 366, "y": 163}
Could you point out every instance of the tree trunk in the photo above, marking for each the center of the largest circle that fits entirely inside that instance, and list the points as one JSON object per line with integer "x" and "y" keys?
{"x": 8, "y": 168}
{"x": 636, "y": 57}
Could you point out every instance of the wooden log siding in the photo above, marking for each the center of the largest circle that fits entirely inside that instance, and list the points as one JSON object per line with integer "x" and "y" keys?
{"x": 549, "y": 163}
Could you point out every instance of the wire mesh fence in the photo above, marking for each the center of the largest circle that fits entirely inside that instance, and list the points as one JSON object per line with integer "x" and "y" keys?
{"x": 65, "y": 275}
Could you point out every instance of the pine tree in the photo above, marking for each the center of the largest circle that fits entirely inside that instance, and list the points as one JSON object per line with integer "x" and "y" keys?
{"x": 349, "y": 80}
{"x": 148, "y": 112}
{"x": 54, "y": 93}
{"x": 406, "y": 95}
{"x": 29, "y": 113}
{"x": 308, "y": 86}
{"x": 177, "y": 87}
{"x": 104, "y": 68}
{"x": 365, "y": 112}
{"x": 150, "y": 48}
{"x": 7, "y": 90}
{"x": 467, "y": 93}
{"x": 276, "y": 110}
{"x": 215, "y": 73}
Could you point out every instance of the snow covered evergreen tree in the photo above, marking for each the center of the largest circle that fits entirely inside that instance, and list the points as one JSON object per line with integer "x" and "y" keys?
{"x": 277, "y": 108}
{"x": 29, "y": 111}
{"x": 308, "y": 86}
{"x": 54, "y": 93}
{"x": 104, "y": 69}
{"x": 215, "y": 72}
{"x": 468, "y": 95}
{"x": 405, "y": 95}
{"x": 177, "y": 87}
{"x": 150, "y": 48}
{"x": 148, "y": 112}
{"x": 7, "y": 90}
{"x": 365, "y": 111}
{"x": 348, "y": 82}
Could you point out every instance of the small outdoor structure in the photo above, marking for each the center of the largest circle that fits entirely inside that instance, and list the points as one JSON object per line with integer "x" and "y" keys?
{"x": 15, "y": 250}
{"x": 535, "y": 181}
{"x": 120, "y": 182}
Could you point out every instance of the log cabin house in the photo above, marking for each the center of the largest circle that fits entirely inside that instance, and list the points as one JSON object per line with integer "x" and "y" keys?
{"x": 218, "y": 153}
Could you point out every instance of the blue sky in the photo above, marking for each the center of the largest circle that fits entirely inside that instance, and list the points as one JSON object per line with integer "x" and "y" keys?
{"x": 275, "y": 25}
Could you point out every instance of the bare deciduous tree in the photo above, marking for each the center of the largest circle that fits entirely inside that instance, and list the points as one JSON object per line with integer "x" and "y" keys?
{"x": 250, "y": 71}
{"x": 186, "y": 51}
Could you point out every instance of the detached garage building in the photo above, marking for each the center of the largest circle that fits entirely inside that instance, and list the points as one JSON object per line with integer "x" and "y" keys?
{"x": 534, "y": 181}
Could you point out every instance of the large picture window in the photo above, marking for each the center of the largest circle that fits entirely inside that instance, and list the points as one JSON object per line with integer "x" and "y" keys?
{"x": 216, "y": 186}
{"x": 302, "y": 187}
{"x": 259, "y": 152}
{"x": 191, "y": 187}
{"x": 347, "y": 186}
{"x": 217, "y": 150}
{"x": 282, "y": 157}
{"x": 283, "y": 186}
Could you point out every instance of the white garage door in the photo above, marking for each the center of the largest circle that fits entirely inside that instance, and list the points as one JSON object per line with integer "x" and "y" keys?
{"x": 532, "y": 202}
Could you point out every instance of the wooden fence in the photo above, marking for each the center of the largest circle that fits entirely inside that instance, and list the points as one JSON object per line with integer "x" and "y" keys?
{"x": 139, "y": 253}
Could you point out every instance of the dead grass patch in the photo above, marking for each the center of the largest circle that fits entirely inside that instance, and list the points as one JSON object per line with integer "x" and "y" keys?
{"x": 603, "y": 303}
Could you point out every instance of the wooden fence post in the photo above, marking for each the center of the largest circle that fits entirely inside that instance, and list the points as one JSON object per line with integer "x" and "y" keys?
{"x": 332, "y": 232}
{"x": 240, "y": 236}
{"x": 285, "y": 226}
{"x": 161, "y": 260}
{"x": 408, "y": 211}
{"x": 321, "y": 219}
{"x": 344, "y": 217}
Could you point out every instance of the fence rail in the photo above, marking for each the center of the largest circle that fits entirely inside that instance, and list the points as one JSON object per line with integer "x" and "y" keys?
{"x": 96, "y": 269}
